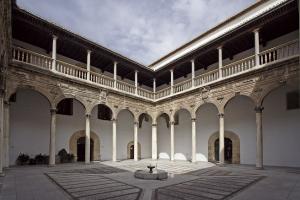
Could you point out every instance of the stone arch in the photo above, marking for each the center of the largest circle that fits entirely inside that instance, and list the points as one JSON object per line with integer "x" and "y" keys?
{"x": 228, "y": 99}
{"x": 79, "y": 134}
{"x": 70, "y": 96}
{"x": 235, "y": 146}
{"x": 41, "y": 91}
{"x": 125, "y": 109}
{"x": 141, "y": 117}
{"x": 166, "y": 116}
{"x": 128, "y": 149}
{"x": 197, "y": 107}
{"x": 91, "y": 107}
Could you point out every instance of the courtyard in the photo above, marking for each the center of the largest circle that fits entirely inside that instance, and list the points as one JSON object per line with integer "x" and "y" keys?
{"x": 115, "y": 180}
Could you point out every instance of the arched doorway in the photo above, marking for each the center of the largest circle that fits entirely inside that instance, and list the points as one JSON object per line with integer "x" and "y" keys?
{"x": 232, "y": 147}
{"x": 77, "y": 140}
{"x": 228, "y": 150}
{"x": 130, "y": 150}
{"x": 81, "y": 149}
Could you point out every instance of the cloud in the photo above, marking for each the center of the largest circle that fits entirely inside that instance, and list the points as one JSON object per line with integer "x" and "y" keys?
{"x": 139, "y": 29}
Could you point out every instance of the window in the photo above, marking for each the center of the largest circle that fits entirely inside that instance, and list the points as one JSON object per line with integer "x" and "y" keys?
{"x": 104, "y": 112}
{"x": 292, "y": 100}
{"x": 65, "y": 107}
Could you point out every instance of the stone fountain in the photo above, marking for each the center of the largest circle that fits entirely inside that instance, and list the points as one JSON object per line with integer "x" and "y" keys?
{"x": 152, "y": 174}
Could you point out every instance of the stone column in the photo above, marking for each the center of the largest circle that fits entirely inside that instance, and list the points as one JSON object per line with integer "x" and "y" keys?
{"x": 154, "y": 88}
{"x": 136, "y": 81}
{"x": 115, "y": 74}
{"x": 154, "y": 141}
{"x": 256, "y": 46}
{"x": 172, "y": 140}
{"x": 52, "y": 137}
{"x": 114, "y": 140}
{"x": 259, "y": 137}
{"x": 1, "y": 129}
{"x": 136, "y": 141}
{"x": 6, "y": 133}
{"x": 194, "y": 139}
{"x": 221, "y": 138}
{"x": 220, "y": 62}
{"x": 88, "y": 65}
{"x": 193, "y": 73}
{"x": 87, "y": 138}
{"x": 172, "y": 80}
{"x": 54, "y": 41}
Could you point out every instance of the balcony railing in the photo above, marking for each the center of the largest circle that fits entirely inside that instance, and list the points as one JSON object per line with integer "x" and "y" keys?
{"x": 281, "y": 52}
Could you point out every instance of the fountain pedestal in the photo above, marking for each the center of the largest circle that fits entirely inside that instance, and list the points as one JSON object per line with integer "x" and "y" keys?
{"x": 155, "y": 175}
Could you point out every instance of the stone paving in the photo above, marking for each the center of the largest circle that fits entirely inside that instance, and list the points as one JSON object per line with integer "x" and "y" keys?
{"x": 93, "y": 186}
{"x": 115, "y": 180}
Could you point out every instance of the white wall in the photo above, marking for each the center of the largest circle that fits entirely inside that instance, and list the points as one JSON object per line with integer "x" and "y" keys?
{"x": 145, "y": 139}
{"x": 207, "y": 123}
{"x": 281, "y": 130}
{"x": 183, "y": 136}
{"x": 124, "y": 133}
{"x": 163, "y": 139}
{"x": 240, "y": 119}
{"x": 29, "y": 125}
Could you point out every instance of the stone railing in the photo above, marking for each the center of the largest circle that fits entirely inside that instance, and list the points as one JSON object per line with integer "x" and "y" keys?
{"x": 101, "y": 79}
{"x": 32, "y": 58}
{"x": 281, "y": 52}
{"x": 179, "y": 87}
{"x": 239, "y": 66}
{"x": 145, "y": 93}
{"x": 71, "y": 70}
{"x": 163, "y": 93}
{"x": 125, "y": 87}
{"x": 207, "y": 77}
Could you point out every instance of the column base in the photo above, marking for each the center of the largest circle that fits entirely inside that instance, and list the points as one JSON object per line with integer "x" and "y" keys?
{"x": 51, "y": 165}
{"x": 259, "y": 168}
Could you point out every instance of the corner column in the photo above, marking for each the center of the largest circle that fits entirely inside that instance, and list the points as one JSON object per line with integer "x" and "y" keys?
{"x": 87, "y": 138}
{"x": 172, "y": 80}
{"x": 54, "y": 41}
{"x": 136, "y": 81}
{"x": 172, "y": 139}
{"x": 154, "y": 141}
{"x": 220, "y": 55}
{"x": 52, "y": 137}
{"x": 1, "y": 129}
{"x": 154, "y": 88}
{"x": 6, "y": 134}
{"x": 194, "y": 137}
{"x": 259, "y": 137}
{"x": 256, "y": 46}
{"x": 88, "y": 65}
{"x": 114, "y": 140}
{"x": 136, "y": 146}
{"x": 221, "y": 138}
{"x": 193, "y": 72}
{"x": 115, "y": 74}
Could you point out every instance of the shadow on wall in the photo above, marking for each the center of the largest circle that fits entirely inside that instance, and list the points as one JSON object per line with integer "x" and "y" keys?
{"x": 181, "y": 156}
{"x": 164, "y": 155}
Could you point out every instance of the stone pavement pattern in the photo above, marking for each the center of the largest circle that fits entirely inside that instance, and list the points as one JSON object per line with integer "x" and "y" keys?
{"x": 115, "y": 180}
{"x": 93, "y": 186}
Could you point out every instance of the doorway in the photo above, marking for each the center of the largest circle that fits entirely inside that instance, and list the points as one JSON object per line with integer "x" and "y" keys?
{"x": 227, "y": 150}
{"x": 81, "y": 149}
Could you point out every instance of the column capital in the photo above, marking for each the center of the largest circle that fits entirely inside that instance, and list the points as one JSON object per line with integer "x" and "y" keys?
{"x": 193, "y": 119}
{"x": 171, "y": 70}
{"x": 221, "y": 115}
{"x": 259, "y": 109}
{"x": 154, "y": 124}
{"x": 113, "y": 119}
{"x": 193, "y": 60}
{"x": 220, "y": 47}
{"x": 115, "y": 62}
{"x": 53, "y": 110}
{"x": 2, "y": 92}
{"x": 54, "y": 37}
{"x": 256, "y": 30}
{"x": 89, "y": 51}
{"x": 136, "y": 123}
{"x": 87, "y": 115}
{"x": 172, "y": 122}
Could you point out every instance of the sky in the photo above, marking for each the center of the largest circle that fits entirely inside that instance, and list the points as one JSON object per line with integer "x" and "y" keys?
{"x": 143, "y": 30}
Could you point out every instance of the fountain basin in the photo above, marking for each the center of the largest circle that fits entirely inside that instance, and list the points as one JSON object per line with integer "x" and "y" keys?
{"x": 156, "y": 175}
